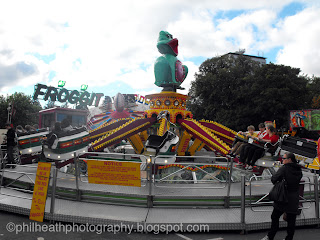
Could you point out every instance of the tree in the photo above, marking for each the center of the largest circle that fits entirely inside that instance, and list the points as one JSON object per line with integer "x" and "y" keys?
{"x": 238, "y": 92}
{"x": 3, "y": 111}
{"x": 25, "y": 109}
{"x": 66, "y": 105}
{"x": 314, "y": 91}
{"x": 280, "y": 89}
{"x": 50, "y": 104}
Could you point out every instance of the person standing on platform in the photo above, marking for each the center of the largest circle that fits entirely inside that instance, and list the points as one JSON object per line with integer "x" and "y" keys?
{"x": 11, "y": 135}
{"x": 291, "y": 172}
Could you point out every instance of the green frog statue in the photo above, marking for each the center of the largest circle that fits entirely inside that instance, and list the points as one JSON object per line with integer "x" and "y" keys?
{"x": 168, "y": 70}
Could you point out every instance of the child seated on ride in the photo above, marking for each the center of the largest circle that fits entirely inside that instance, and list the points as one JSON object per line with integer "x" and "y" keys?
{"x": 235, "y": 150}
{"x": 245, "y": 149}
{"x": 262, "y": 130}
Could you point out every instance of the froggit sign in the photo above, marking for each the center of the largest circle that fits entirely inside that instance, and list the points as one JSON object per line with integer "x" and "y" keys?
{"x": 62, "y": 95}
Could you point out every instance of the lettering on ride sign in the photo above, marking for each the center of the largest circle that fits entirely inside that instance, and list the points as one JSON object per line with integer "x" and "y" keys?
{"x": 113, "y": 163}
{"x": 114, "y": 173}
{"x": 40, "y": 192}
{"x": 63, "y": 95}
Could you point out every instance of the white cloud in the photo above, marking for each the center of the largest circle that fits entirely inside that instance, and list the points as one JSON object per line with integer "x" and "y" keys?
{"x": 301, "y": 36}
{"x": 247, "y": 30}
{"x": 100, "y": 42}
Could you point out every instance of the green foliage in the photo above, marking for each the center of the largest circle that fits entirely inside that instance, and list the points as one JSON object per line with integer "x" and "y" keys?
{"x": 281, "y": 89}
{"x": 65, "y": 105}
{"x": 25, "y": 109}
{"x": 313, "y": 87}
{"x": 238, "y": 92}
{"x": 50, "y": 104}
{"x": 316, "y": 102}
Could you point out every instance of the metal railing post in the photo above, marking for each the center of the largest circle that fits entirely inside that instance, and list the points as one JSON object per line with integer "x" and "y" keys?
{"x": 316, "y": 194}
{"x": 76, "y": 165}
{"x": 227, "y": 198}
{"x": 149, "y": 173}
{"x": 243, "y": 199}
{"x": 2, "y": 168}
{"x": 53, "y": 191}
{"x": 2, "y": 160}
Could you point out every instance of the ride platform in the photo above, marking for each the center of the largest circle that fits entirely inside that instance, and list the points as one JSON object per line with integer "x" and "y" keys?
{"x": 78, "y": 201}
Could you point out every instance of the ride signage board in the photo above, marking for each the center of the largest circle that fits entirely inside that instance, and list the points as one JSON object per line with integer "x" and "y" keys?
{"x": 63, "y": 95}
{"x": 40, "y": 192}
{"x": 307, "y": 118}
{"x": 114, "y": 173}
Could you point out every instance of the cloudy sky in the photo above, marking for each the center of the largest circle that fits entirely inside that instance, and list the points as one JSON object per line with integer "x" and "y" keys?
{"x": 111, "y": 45}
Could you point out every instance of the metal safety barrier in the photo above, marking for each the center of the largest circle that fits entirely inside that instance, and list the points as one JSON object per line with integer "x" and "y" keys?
{"x": 152, "y": 182}
{"x": 263, "y": 201}
{"x": 315, "y": 199}
{"x": 20, "y": 175}
{"x": 191, "y": 167}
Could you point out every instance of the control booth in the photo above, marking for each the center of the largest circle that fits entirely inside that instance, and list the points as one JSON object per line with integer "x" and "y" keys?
{"x": 48, "y": 117}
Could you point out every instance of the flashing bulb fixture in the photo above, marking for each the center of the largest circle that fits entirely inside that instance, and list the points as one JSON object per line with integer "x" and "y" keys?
{"x": 84, "y": 87}
{"x": 61, "y": 83}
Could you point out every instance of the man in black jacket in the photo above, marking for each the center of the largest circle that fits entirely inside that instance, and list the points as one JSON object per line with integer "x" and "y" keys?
{"x": 11, "y": 135}
{"x": 291, "y": 172}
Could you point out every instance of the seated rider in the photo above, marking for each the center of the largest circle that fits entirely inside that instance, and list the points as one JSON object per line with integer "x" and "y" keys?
{"x": 235, "y": 150}
{"x": 57, "y": 128}
{"x": 29, "y": 128}
{"x": 254, "y": 152}
{"x": 20, "y": 129}
{"x": 65, "y": 125}
{"x": 262, "y": 130}
{"x": 52, "y": 136}
{"x": 36, "y": 127}
{"x": 244, "y": 150}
